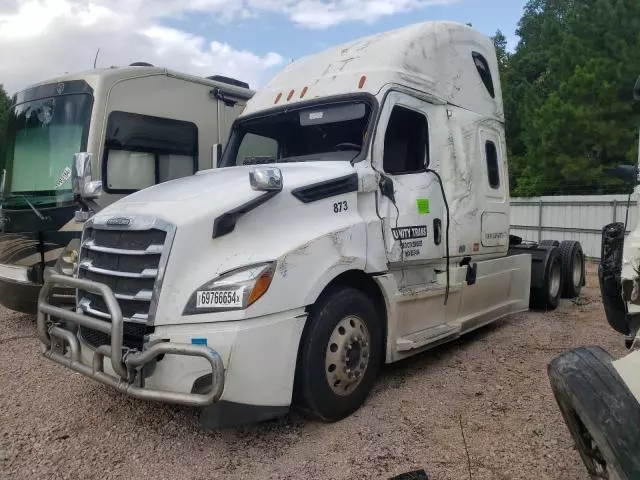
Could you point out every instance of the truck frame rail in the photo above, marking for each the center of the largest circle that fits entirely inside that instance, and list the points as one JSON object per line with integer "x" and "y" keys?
{"x": 57, "y": 330}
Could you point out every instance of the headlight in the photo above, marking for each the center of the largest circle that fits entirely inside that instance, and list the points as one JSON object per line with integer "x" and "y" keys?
{"x": 234, "y": 290}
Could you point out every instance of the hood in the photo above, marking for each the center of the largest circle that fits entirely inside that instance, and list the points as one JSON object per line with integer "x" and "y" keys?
{"x": 216, "y": 191}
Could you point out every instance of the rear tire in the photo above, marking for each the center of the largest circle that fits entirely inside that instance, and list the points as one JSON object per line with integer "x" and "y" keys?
{"x": 572, "y": 268}
{"x": 547, "y": 297}
{"x": 339, "y": 356}
{"x": 601, "y": 413}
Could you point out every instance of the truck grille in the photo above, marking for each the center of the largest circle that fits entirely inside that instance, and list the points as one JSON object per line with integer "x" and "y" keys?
{"x": 129, "y": 261}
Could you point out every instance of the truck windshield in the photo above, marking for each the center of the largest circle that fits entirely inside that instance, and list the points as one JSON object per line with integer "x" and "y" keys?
{"x": 42, "y": 137}
{"x": 335, "y": 131}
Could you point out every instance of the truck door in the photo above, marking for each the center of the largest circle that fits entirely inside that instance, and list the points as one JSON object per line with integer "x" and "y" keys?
{"x": 495, "y": 217}
{"x": 413, "y": 216}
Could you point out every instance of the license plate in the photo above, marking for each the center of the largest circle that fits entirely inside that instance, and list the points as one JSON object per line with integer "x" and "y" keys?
{"x": 219, "y": 298}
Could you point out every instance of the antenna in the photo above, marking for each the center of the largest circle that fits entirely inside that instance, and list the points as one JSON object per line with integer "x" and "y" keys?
{"x": 95, "y": 60}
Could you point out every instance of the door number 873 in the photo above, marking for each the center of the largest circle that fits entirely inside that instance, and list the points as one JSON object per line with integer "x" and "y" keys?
{"x": 340, "y": 207}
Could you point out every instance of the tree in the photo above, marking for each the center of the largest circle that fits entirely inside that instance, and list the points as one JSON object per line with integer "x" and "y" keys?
{"x": 568, "y": 100}
{"x": 5, "y": 102}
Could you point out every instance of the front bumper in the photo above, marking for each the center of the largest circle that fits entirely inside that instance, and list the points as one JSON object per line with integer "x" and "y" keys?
{"x": 57, "y": 330}
{"x": 20, "y": 294}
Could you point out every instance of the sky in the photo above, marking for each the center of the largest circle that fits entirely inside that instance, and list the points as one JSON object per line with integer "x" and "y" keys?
{"x": 247, "y": 39}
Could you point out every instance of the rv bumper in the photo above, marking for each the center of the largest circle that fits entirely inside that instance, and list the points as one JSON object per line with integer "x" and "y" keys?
{"x": 57, "y": 330}
{"x": 19, "y": 293}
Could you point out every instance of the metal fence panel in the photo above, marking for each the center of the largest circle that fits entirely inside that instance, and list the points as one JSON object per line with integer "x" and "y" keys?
{"x": 571, "y": 217}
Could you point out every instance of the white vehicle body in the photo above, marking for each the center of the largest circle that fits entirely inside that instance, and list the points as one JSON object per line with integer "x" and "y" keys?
{"x": 140, "y": 125}
{"x": 433, "y": 266}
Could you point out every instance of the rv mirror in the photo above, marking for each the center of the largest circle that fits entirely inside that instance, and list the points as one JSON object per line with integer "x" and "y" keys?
{"x": 636, "y": 90}
{"x": 81, "y": 182}
{"x": 627, "y": 173}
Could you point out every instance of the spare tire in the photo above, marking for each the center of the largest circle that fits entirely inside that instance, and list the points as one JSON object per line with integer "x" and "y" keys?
{"x": 600, "y": 411}
{"x": 547, "y": 296}
{"x": 572, "y": 268}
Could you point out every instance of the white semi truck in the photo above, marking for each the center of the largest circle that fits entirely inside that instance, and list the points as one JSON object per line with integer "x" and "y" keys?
{"x": 599, "y": 395}
{"x": 137, "y": 126}
{"x": 359, "y": 215}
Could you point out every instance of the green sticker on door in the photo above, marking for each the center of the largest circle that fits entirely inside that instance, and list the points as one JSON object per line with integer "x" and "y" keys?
{"x": 423, "y": 206}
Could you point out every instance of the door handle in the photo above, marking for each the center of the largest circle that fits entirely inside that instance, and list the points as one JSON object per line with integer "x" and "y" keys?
{"x": 437, "y": 231}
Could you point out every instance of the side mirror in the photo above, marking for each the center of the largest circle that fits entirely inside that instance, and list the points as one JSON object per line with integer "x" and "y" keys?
{"x": 627, "y": 173}
{"x": 81, "y": 182}
{"x": 216, "y": 154}
{"x": 636, "y": 91}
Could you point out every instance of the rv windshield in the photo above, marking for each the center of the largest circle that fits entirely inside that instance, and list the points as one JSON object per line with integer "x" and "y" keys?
{"x": 336, "y": 131}
{"x": 42, "y": 137}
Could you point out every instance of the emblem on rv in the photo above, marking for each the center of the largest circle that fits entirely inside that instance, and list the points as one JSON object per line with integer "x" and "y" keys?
{"x": 60, "y": 88}
{"x": 119, "y": 221}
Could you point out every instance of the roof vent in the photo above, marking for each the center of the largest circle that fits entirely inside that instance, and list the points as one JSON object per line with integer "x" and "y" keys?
{"x": 229, "y": 80}
{"x": 140, "y": 64}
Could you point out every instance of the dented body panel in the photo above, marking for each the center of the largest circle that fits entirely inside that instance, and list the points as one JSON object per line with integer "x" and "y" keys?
{"x": 420, "y": 225}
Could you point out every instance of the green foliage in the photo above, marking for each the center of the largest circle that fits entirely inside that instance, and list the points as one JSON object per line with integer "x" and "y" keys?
{"x": 5, "y": 102}
{"x": 568, "y": 95}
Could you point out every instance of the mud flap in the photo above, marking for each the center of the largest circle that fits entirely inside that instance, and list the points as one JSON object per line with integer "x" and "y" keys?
{"x": 609, "y": 277}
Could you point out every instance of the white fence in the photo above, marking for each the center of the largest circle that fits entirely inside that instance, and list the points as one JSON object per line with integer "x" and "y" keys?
{"x": 570, "y": 218}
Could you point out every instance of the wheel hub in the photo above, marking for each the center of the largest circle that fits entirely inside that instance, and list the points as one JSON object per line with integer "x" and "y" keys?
{"x": 347, "y": 355}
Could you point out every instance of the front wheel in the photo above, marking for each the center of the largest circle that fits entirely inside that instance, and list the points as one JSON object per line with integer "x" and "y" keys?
{"x": 340, "y": 355}
{"x": 601, "y": 413}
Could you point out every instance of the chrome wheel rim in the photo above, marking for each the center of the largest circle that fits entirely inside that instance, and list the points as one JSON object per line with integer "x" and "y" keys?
{"x": 347, "y": 355}
{"x": 554, "y": 284}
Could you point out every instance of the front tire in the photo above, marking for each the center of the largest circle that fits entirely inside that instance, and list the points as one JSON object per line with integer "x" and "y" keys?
{"x": 340, "y": 355}
{"x": 600, "y": 411}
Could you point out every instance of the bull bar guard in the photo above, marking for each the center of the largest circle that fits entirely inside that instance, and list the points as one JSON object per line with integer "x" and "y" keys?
{"x": 60, "y": 336}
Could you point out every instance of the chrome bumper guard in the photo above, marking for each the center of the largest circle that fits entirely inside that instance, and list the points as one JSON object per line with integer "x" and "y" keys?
{"x": 57, "y": 330}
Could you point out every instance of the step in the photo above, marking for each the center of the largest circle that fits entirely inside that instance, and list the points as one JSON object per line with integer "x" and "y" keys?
{"x": 425, "y": 337}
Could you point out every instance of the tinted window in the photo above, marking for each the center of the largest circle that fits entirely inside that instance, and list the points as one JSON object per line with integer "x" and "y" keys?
{"x": 406, "y": 142}
{"x": 485, "y": 72}
{"x": 141, "y": 150}
{"x": 493, "y": 168}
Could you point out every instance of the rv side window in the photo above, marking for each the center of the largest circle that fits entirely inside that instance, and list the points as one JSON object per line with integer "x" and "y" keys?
{"x": 485, "y": 72}
{"x": 406, "y": 142}
{"x": 255, "y": 149}
{"x": 493, "y": 168}
{"x": 142, "y": 150}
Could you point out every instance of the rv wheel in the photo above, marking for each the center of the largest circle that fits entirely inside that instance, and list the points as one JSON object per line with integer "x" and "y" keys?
{"x": 572, "y": 268}
{"x": 339, "y": 356}
{"x": 601, "y": 413}
{"x": 547, "y": 297}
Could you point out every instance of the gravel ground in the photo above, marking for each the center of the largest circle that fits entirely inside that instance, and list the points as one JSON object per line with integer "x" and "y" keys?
{"x": 491, "y": 385}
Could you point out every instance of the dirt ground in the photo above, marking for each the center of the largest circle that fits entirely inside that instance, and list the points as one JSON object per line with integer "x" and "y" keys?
{"x": 490, "y": 386}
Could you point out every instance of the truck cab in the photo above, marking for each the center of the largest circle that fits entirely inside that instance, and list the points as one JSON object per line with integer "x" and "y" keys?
{"x": 358, "y": 215}
{"x": 136, "y": 126}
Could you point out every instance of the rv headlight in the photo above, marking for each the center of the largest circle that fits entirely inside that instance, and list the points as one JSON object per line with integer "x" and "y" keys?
{"x": 234, "y": 290}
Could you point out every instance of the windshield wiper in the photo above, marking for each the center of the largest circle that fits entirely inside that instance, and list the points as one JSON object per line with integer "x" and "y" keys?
{"x": 35, "y": 210}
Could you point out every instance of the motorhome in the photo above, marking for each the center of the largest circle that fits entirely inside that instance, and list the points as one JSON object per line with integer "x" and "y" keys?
{"x": 135, "y": 126}
{"x": 359, "y": 215}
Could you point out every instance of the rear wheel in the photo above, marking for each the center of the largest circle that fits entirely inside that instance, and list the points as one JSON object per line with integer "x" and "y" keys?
{"x": 547, "y": 297}
{"x": 572, "y": 268}
{"x": 601, "y": 413}
{"x": 340, "y": 355}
